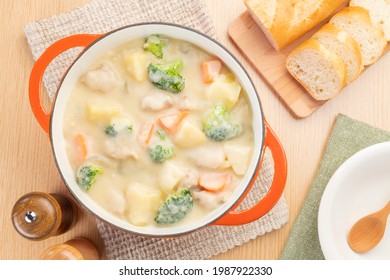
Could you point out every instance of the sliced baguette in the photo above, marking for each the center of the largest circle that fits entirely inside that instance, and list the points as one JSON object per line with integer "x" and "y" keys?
{"x": 379, "y": 11}
{"x": 356, "y": 21}
{"x": 344, "y": 46}
{"x": 319, "y": 70}
{"x": 283, "y": 21}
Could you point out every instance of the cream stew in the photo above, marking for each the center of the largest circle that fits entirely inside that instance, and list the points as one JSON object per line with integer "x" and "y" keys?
{"x": 158, "y": 132}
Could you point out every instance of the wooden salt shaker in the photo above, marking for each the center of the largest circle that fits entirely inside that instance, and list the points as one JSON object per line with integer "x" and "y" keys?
{"x": 74, "y": 249}
{"x": 39, "y": 215}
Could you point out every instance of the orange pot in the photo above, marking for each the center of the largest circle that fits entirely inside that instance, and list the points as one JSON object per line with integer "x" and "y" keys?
{"x": 94, "y": 46}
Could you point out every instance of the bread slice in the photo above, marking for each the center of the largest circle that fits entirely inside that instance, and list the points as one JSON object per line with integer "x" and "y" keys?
{"x": 356, "y": 21}
{"x": 379, "y": 11}
{"x": 344, "y": 46}
{"x": 283, "y": 21}
{"x": 319, "y": 70}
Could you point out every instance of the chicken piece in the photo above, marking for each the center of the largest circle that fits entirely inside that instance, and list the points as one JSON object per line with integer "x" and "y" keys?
{"x": 102, "y": 79}
{"x": 187, "y": 103}
{"x": 120, "y": 148}
{"x": 209, "y": 200}
{"x": 156, "y": 101}
{"x": 190, "y": 180}
{"x": 207, "y": 156}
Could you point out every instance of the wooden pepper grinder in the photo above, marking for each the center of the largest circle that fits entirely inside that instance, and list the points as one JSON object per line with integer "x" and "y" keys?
{"x": 39, "y": 215}
{"x": 74, "y": 249}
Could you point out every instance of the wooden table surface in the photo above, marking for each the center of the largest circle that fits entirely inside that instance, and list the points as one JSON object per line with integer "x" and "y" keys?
{"x": 27, "y": 164}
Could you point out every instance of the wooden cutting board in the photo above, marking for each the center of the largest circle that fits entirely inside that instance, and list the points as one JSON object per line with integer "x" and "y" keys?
{"x": 270, "y": 63}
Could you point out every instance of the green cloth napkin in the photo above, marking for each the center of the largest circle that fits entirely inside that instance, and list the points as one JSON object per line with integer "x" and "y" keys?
{"x": 348, "y": 136}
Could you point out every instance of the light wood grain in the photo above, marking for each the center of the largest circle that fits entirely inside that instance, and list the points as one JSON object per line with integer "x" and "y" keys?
{"x": 367, "y": 232}
{"x": 271, "y": 64}
{"x": 27, "y": 164}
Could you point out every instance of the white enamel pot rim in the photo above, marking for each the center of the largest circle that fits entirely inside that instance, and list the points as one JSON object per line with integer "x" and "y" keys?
{"x": 94, "y": 47}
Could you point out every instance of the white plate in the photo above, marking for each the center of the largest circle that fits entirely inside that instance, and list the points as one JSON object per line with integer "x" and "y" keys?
{"x": 359, "y": 187}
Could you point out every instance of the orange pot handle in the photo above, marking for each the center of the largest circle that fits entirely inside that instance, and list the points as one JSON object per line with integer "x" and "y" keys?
{"x": 275, "y": 192}
{"x": 79, "y": 40}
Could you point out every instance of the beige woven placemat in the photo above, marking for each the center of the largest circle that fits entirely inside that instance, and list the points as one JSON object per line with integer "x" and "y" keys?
{"x": 101, "y": 16}
{"x": 204, "y": 243}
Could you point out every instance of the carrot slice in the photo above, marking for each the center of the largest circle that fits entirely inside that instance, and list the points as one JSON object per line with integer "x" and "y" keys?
{"x": 211, "y": 69}
{"x": 171, "y": 122}
{"x": 81, "y": 149}
{"x": 213, "y": 182}
{"x": 145, "y": 133}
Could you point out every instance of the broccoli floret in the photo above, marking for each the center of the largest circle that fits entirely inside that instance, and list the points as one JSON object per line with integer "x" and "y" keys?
{"x": 118, "y": 125}
{"x": 167, "y": 77}
{"x": 155, "y": 44}
{"x": 218, "y": 125}
{"x": 160, "y": 153}
{"x": 161, "y": 134}
{"x": 175, "y": 207}
{"x": 110, "y": 130}
{"x": 86, "y": 175}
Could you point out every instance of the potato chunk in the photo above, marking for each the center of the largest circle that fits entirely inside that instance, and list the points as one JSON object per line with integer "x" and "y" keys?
{"x": 224, "y": 90}
{"x": 170, "y": 174}
{"x": 189, "y": 135}
{"x": 238, "y": 157}
{"x": 142, "y": 203}
{"x": 207, "y": 156}
{"x": 136, "y": 64}
{"x": 102, "y": 110}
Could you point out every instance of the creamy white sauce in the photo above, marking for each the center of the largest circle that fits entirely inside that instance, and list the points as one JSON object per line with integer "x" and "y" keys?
{"x": 124, "y": 160}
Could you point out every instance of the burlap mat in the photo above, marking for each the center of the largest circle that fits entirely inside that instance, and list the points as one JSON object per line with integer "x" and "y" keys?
{"x": 101, "y": 16}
